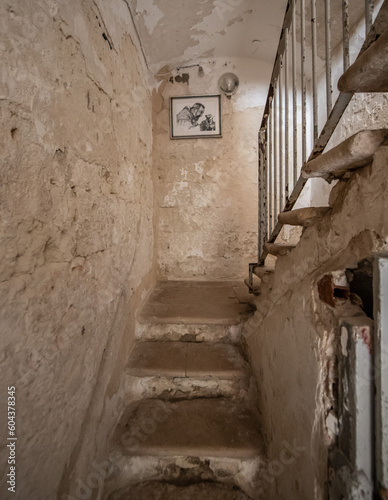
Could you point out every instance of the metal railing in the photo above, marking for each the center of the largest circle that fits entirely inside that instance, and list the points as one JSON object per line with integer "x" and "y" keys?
{"x": 299, "y": 115}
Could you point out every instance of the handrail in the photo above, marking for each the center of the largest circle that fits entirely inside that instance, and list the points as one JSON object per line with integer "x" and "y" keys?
{"x": 280, "y": 117}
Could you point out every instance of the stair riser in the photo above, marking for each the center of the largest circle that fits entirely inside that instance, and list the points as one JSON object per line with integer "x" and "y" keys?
{"x": 173, "y": 388}
{"x": 180, "y": 469}
{"x": 188, "y": 333}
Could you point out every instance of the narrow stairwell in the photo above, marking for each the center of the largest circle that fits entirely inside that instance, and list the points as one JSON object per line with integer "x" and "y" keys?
{"x": 190, "y": 429}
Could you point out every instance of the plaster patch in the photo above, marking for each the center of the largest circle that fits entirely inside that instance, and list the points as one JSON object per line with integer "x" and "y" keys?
{"x": 151, "y": 14}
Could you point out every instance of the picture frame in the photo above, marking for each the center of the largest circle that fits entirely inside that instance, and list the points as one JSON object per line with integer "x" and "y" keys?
{"x": 195, "y": 117}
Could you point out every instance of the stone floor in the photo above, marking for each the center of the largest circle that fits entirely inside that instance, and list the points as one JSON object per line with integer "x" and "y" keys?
{"x": 197, "y": 302}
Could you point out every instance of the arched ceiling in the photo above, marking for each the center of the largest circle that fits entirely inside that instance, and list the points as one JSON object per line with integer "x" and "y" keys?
{"x": 175, "y": 33}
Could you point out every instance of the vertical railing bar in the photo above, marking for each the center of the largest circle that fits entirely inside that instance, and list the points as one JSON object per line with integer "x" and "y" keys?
{"x": 329, "y": 90}
{"x": 314, "y": 65}
{"x": 281, "y": 131}
{"x": 346, "y": 31}
{"x": 275, "y": 146}
{"x": 303, "y": 75}
{"x": 262, "y": 191}
{"x": 287, "y": 117}
{"x": 368, "y": 16}
{"x": 270, "y": 169}
{"x": 294, "y": 95}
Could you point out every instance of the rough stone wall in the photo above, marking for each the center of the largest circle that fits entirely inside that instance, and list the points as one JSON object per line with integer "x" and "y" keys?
{"x": 207, "y": 188}
{"x": 77, "y": 229}
{"x": 293, "y": 336}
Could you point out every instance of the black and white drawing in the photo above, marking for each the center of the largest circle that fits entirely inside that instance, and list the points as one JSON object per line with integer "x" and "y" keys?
{"x": 195, "y": 116}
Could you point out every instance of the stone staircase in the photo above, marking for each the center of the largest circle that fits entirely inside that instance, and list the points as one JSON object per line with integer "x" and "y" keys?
{"x": 190, "y": 428}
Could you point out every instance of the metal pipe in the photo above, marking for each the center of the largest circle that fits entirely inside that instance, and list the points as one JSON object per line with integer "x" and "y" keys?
{"x": 281, "y": 131}
{"x": 294, "y": 95}
{"x": 314, "y": 65}
{"x": 287, "y": 117}
{"x": 275, "y": 146}
{"x": 270, "y": 169}
{"x": 345, "y": 35}
{"x": 262, "y": 174}
{"x": 329, "y": 89}
{"x": 303, "y": 75}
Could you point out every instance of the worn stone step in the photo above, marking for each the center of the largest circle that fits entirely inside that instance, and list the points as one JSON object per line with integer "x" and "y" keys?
{"x": 200, "y": 427}
{"x": 187, "y": 359}
{"x": 355, "y": 152}
{"x": 195, "y": 311}
{"x": 186, "y": 370}
{"x": 157, "y": 490}
{"x": 263, "y": 272}
{"x": 187, "y": 442}
{"x": 369, "y": 73}
{"x": 304, "y": 217}
{"x": 278, "y": 250}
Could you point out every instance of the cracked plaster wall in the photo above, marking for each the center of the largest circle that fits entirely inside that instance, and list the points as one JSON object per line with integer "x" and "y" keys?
{"x": 293, "y": 337}
{"x": 206, "y": 205}
{"x": 77, "y": 229}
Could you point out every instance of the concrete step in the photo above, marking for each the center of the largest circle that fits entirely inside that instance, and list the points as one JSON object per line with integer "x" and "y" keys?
{"x": 187, "y": 441}
{"x": 304, "y": 217}
{"x": 263, "y": 272}
{"x": 185, "y": 359}
{"x": 200, "y": 427}
{"x": 195, "y": 311}
{"x": 177, "y": 370}
{"x": 356, "y": 152}
{"x": 278, "y": 250}
{"x": 156, "y": 490}
{"x": 369, "y": 73}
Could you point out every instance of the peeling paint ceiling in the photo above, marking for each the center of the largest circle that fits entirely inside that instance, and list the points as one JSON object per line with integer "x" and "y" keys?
{"x": 176, "y": 33}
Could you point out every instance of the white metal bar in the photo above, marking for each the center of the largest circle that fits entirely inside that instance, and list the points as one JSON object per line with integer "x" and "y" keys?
{"x": 346, "y": 31}
{"x": 380, "y": 299}
{"x": 303, "y": 76}
{"x": 276, "y": 151}
{"x": 287, "y": 117}
{"x": 329, "y": 88}
{"x": 314, "y": 65}
{"x": 281, "y": 132}
{"x": 270, "y": 170}
{"x": 294, "y": 96}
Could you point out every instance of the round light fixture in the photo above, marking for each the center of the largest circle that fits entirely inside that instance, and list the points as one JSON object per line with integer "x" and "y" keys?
{"x": 228, "y": 84}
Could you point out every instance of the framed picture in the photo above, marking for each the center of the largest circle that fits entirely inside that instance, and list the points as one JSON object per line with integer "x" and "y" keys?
{"x": 192, "y": 117}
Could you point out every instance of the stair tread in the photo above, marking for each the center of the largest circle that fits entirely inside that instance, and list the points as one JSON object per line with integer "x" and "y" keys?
{"x": 196, "y": 302}
{"x": 303, "y": 216}
{"x": 278, "y": 249}
{"x": 355, "y": 152}
{"x": 186, "y": 359}
{"x": 202, "y": 427}
{"x": 155, "y": 490}
{"x": 369, "y": 73}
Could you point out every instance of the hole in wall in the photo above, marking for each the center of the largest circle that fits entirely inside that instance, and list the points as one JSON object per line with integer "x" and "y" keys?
{"x": 360, "y": 282}
{"x": 354, "y": 285}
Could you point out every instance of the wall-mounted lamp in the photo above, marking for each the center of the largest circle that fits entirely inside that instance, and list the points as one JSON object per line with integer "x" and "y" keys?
{"x": 228, "y": 84}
